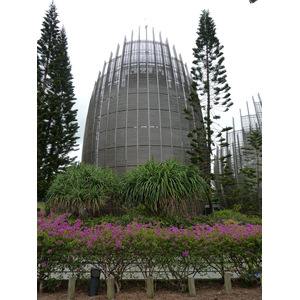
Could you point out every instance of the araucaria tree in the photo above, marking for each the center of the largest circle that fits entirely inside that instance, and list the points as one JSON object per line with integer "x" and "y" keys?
{"x": 56, "y": 118}
{"x": 209, "y": 97}
{"x": 251, "y": 192}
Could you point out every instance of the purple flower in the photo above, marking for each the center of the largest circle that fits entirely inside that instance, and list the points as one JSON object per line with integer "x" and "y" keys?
{"x": 43, "y": 264}
{"x": 78, "y": 269}
{"x": 118, "y": 244}
{"x": 185, "y": 253}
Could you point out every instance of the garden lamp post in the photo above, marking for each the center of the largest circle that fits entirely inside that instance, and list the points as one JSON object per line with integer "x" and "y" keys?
{"x": 95, "y": 278}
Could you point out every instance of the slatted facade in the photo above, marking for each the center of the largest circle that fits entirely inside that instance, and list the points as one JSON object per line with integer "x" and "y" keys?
{"x": 238, "y": 139}
{"x": 136, "y": 110}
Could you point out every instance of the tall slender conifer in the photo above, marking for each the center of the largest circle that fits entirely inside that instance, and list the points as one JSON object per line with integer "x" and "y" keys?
{"x": 56, "y": 117}
{"x": 210, "y": 95}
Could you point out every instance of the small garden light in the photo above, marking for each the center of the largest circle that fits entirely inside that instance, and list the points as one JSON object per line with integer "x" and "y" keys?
{"x": 95, "y": 278}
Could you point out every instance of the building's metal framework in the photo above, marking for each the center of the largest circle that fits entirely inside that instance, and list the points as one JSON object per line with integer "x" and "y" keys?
{"x": 236, "y": 141}
{"x": 136, "y": 110}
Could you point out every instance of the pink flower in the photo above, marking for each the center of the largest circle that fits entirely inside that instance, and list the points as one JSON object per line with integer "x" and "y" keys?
{"x": 77, "y": 270}
{"x": 118, "y": 244}
{"x": 185, "y": 253}
{"x": 43, "y": 264}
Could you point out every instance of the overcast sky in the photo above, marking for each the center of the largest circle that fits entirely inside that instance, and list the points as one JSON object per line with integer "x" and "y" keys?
{"x": 94, "y": 28}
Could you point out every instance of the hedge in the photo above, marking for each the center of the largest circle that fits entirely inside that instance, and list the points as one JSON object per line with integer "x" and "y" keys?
{"x": 150, "y": 248}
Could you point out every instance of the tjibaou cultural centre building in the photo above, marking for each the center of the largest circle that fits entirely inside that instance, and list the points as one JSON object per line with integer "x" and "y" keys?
{"x": 136, "y": 110}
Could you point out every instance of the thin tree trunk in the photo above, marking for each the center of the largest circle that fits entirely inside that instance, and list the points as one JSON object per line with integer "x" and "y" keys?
{"x": 211, "y": 207}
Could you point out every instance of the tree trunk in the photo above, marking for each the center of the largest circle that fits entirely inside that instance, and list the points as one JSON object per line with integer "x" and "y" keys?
{"x": 211, "y": 207}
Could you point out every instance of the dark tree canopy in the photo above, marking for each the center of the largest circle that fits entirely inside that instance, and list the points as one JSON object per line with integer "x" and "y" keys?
{"x": 56, "y": 117}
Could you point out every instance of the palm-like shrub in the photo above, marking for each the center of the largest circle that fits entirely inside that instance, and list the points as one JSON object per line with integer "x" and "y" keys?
{"x": 163, "y": 187}
{"x": 82, "y": 188}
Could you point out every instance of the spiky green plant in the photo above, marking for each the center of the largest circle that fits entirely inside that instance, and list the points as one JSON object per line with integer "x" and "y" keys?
{"x": 163, "y": 187}
{"x": 82, "y": 188}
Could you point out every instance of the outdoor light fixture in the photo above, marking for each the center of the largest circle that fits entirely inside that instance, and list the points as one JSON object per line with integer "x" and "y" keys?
{"x": 95, "y": 278}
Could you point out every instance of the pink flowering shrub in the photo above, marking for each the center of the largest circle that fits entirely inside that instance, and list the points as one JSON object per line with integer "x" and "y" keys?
{"x": 150, "y": 248}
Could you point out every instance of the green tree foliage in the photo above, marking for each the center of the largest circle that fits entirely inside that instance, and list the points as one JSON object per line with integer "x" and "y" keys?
{"x": 252, "y": 173}
{"x": 82, "y": 189}
{"x": 210, "y": 95}
{"x": 228, "y": 194}
{"x": 198, "y": 142}
{"x": 164, "y": 187}
{"x": 56, "y": 117}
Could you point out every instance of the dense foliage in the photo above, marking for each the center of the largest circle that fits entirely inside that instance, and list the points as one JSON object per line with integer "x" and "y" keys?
{"x": 56, "y": 118}
{"x": 150, "y": 248}
{"x": 82, "y": 190}
{"x": 245, "y": 190}
{"x": 251, "y": 191}
{"x": 164, "y": 187}
{"x": 178, "y": 220}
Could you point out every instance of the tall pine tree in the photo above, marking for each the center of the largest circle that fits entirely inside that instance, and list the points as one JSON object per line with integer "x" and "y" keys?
{"x": 212, "y": 95}
{"x": 56, "y": 118}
